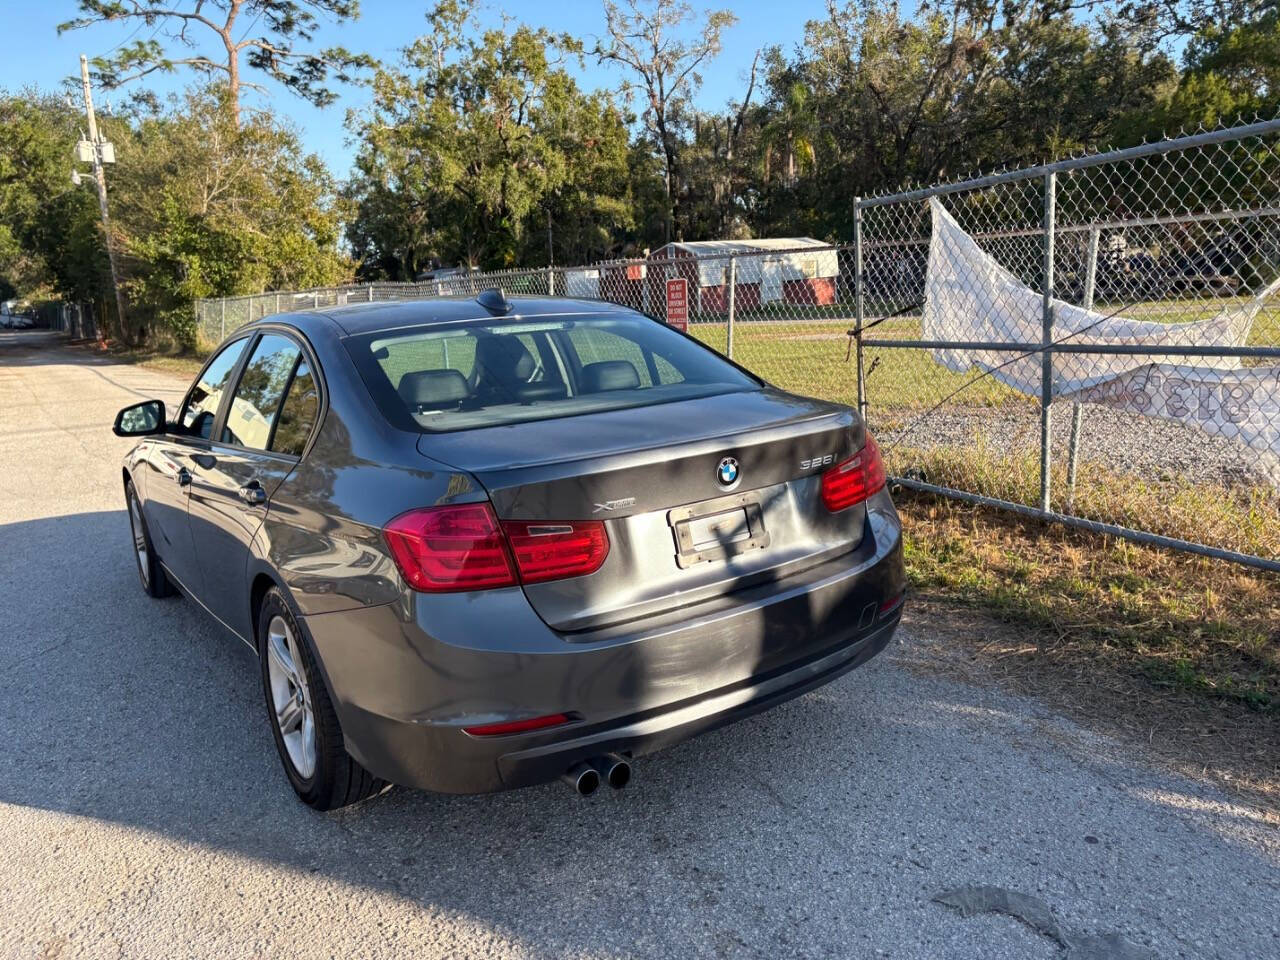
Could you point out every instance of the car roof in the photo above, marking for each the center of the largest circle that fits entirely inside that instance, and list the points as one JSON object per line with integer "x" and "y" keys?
{"x": 359, "y": 318}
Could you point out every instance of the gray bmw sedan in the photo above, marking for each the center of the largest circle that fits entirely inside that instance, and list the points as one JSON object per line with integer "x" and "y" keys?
{"x": 481, "y": 544}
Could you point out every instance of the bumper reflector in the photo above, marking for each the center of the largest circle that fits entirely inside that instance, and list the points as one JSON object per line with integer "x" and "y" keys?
{"x": 518, "y": 726}
{"x": 892, "y": 604}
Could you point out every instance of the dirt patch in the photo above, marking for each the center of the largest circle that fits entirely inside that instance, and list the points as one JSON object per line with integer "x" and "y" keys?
{"x": 1226, "y": 742}
{"x": 1176, "y": 653}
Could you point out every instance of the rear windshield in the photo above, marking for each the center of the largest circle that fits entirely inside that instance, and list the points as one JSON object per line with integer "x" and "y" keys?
{"x": 489, "y": 372}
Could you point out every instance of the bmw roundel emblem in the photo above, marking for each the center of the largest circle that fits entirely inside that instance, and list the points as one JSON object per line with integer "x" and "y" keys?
{"x": 727, "y": 472}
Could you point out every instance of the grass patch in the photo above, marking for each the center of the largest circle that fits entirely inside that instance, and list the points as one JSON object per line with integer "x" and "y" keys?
{"x": 816, "y": 359}
{"x": 1245, "y": 519}
{"x": 164, "y": 358}
{"x": 1209, "y": 627}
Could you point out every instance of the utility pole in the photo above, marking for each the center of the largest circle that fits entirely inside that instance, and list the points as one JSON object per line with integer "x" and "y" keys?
{"x": 551, "y": 258}
{"x": 101, "y": 177}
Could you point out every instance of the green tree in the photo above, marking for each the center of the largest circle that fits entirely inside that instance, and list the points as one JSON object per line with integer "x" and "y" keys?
{"x": 50, "y": 238}
{"x": 879, "y": 100}
{"x": 477, "y": 141}
{"x": 590, "y": 209}
{"x": 211, "y": 38}
{"x": 719, "y": 180}
{"x": 790, "y": 134}
{"x": 649, "y": 38}
{"x": 1231, "y": 70}
{"x": 206, "y": 206}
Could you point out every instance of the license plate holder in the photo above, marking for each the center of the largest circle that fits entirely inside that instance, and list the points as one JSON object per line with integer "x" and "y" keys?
{"x": 717, "y": 529}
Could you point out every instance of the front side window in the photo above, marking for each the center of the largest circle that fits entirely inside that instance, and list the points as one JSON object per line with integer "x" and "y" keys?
{"x": 201, "y": 406}
{"x": 256, "y": 402}
{"x": 490, "y": 372}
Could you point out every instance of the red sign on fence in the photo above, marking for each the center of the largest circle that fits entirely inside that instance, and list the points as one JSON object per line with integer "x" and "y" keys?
{"x": 678, "y": 304}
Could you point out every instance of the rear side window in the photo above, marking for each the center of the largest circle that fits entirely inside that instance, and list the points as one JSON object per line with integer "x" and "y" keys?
{"x": 298, "y": 413}
{"x": 260, "y": 392}
{"x": 490, "y": 372}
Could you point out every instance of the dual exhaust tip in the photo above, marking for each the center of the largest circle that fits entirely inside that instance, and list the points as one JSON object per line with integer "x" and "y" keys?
{"x": 587, "y": 776}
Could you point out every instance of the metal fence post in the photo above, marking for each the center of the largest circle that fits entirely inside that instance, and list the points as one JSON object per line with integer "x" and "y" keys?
{"x": 371, "y": 293}
{"x": 733, "y": 299}
{"x": 859, "y": 305}
{"x": 1077, "y": 410}
{"x": 1046, "y": 339}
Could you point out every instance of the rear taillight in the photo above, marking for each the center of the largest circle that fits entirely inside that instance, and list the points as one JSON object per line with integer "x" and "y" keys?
{"x": 450, "y": 548}
{"x": 551, "y": 551}
{"x": 851, "y": 481}
{"x": 463, "y": 547}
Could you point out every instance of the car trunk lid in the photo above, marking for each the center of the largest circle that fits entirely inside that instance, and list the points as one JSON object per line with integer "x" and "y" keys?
{"x": 656, "y": 476}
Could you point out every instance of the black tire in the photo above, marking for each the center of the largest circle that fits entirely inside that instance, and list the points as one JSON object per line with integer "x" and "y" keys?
{"x": 336, "y": 780}
{"x": 150, "y": 572}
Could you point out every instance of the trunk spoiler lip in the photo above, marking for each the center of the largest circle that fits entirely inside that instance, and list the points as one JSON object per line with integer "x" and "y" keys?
{"x": 838, "y": 415}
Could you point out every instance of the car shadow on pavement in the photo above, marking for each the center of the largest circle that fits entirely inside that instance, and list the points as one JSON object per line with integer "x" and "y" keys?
{"x": 830, "y": 820}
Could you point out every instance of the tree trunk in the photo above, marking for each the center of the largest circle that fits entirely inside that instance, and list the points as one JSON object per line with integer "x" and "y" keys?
{"x": 233, "y": 62}
{"x": 233, "y": 85}
{"x": 669, "y": 213}
{"x": 669, "y": 176}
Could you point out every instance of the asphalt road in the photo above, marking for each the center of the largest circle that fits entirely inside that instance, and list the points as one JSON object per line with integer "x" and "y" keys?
{"x": 143, "y": 812}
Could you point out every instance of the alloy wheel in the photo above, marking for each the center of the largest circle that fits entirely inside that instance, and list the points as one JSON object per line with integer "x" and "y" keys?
{"x": 139, "y": 541}
{"x": 290, "y": 697}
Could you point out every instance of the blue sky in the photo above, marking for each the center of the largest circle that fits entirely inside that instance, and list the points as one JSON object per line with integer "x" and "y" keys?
{"x": 35, "y": 54}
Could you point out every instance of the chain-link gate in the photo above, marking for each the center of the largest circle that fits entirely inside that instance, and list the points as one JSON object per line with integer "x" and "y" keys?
{"x": 1126, "y": 391}
{"x": 1162, "y": 430}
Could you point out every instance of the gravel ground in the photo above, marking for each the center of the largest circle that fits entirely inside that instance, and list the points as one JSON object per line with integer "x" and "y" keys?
{"x": 143, "y": 812}
{"x": 1139, "y": 446}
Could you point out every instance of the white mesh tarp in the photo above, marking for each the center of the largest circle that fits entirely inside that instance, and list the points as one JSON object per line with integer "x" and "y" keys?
{"x": 1241, "y": 404}
{"x": 969, "y": 296}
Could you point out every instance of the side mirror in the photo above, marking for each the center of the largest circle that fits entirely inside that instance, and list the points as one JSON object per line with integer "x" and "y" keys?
{"x": 140, "y": 420}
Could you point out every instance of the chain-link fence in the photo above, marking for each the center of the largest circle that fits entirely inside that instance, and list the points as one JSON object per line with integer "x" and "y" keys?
{"x": 217, "y": 318}
{"x": 1096, "y": 341}
{"x": 79, "y": 321}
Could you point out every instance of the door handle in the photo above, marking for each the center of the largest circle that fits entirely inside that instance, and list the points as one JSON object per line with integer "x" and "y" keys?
{"x": 253, "y": 494}
{"x": 183, "y": 476}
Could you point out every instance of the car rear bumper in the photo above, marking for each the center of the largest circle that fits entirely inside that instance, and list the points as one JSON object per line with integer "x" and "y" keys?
{"x": 407, "y": 678}
{"x": 640, "y": 735}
